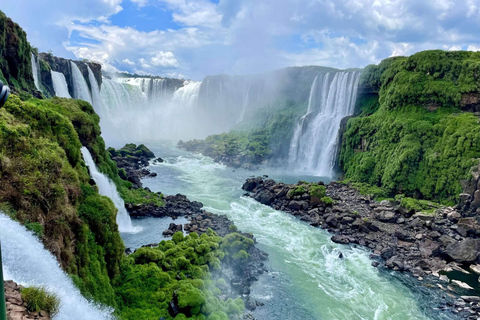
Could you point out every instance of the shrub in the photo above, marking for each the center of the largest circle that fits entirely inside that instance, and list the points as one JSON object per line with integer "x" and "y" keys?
{"x": 38, "y": 298}
{"x": 316, "y": 190}
{"x": 327, "y": 200}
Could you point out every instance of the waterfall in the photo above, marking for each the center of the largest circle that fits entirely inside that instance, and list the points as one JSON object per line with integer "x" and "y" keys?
{"x": 35, "y": 71}
{"x": 106, "y": 187}
{"x": 80, "y": 86}
{"x": 313, "y": 146}
{"x": 60, "y": 85}
{"x": 187, "y": 95}
{"x": 155, "y": 90}
{"x": 96, "y": 99}
{"x": 28, "y": 263}
{"x": 245, "y": 103}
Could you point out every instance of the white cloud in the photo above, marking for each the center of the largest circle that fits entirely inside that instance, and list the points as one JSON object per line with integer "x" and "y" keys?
{"x": 249, "y": 36}
{"x": 127, "y": 61}
{"x": 473, "y": 48}
{"x": 140, "y": 3}
{"x": 164, "y": 59}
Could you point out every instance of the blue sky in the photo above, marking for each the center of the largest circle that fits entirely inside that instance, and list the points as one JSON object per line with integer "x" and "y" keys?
{"x": 192, "y": 39}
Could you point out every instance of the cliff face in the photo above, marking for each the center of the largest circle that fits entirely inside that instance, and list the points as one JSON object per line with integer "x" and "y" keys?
{"x": 15, "y": 60}
{"x": 415, "y": 137}
{"x": 64, "y": 66}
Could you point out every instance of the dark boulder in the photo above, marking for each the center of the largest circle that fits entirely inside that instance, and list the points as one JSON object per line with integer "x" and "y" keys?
{"x": 466, "y": 251}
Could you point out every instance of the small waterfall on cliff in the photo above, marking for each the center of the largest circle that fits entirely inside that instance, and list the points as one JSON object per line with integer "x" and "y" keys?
{"x": 107, "y": 188}
{"x": 245, "y": 102}
{"x": 26, "y": 262}
{"x": 36, "y": 71}
{"x": 60, "y": 85}
{"x": 80, "y": 86}
{"x": 96, "y": 98}
{"x": 313, "y": 146}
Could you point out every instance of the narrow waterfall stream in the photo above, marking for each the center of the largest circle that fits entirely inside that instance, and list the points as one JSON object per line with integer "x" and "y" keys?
{"x": 60, "y": 85}
{"x": 28, "y": 263}
{"x": 106, "y": 187}
{"x": 35, "y": 71}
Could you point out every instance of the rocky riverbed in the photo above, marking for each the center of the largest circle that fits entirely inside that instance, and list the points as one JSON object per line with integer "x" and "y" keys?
{"x": 430, "y": 245}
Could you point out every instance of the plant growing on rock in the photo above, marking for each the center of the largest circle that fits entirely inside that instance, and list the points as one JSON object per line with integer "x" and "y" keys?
{"x": 38, "y": 298}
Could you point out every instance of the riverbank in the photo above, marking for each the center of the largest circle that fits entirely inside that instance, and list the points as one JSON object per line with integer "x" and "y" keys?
{"x": 421, "y": 244}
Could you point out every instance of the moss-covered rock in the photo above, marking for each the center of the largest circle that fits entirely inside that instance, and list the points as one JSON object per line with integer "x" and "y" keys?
{"x": 416, "y": 141}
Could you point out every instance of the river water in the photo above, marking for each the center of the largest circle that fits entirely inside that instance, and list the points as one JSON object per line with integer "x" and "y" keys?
{"x": 307, "y": 279}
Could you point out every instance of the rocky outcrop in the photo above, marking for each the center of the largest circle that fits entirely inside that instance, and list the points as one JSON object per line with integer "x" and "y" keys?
{"x": 133, "y": 160}
{"x": 16, "y": 309}
{"x": 420, "y": 243}
{"x": 470, "y": 102}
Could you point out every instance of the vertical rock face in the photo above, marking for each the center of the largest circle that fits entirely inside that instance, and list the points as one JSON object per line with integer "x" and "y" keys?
{"x": 15, "y": 56}
{"x": 16, "y": 309}
{"x": 64, "y": 66}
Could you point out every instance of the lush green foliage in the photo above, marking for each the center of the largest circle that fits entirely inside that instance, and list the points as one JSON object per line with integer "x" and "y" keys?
{"x": 179, "y": 270}
{"x": 45, "y": 182}
{"x": 317, "y": 190}
{"x": 15, "y": 59}
{"x": 418, "y": 143}
{"x": 37, "y": 299}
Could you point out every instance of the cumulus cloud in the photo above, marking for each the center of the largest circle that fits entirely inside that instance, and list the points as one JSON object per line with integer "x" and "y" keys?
{"x": 249, "y": 36}
{"x": 164, "y": 59}
{"x": 127, "y": 61}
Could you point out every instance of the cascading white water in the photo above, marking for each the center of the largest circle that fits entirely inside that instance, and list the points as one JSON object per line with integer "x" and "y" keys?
{"x": 155, "y": 89}
{"x": 107, "y": 188}
{"x": 60, "y": 85}
{"x": 313, "y": 146}
{"x": 132, "y": 110}
{"x": 26, "y": 262}
{"x": 80, "y": 86}
{"x": 35, "y": 71}
{"x": 187, "y": 95}
{"x": 96, "y": 98}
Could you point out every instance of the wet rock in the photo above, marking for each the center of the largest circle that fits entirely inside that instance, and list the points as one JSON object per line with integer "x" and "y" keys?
{"x": 172, "y": 229}
{"x": 466, "y": 251}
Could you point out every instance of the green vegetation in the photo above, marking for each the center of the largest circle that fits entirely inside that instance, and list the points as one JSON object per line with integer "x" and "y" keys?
{"x": 15, "y": 58}
{"x": 416, "y": 205}
{"x": 35, "y": 227}
{"x": 327, "y": 200}
{"x": 180, "y": 270}
{"x": 131, "y": 149}
{"x": 46, "y": 186}
{"x": 317, "y": 190}
{"x": 298, "y": 191}
{"x": 416, "y": 142}
{"x": 37, "y": 299}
